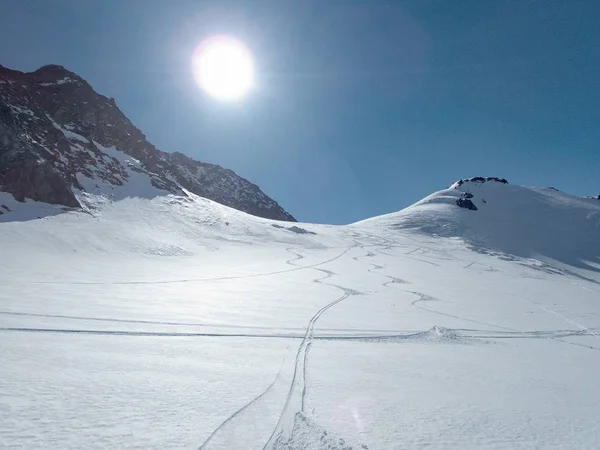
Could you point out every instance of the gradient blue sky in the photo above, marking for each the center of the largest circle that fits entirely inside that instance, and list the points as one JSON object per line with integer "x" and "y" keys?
{"x": 362, "y": 107}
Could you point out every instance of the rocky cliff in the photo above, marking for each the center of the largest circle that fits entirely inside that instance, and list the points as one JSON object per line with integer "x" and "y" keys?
{"x": 60, "y": 141}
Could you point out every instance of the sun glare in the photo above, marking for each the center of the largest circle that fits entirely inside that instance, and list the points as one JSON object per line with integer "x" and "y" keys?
{"x": 222, "y": 67}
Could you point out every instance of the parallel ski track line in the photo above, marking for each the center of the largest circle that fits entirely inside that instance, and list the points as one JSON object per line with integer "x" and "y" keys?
{"x": 400, "y": 335}
{"x": 397, "y": 334}
{"x": 233, "y": 416}
{"x": 145, "y": 333}
{"x": 584, "y": 331}
{"x": 301, "y": 359}
{"x": 289, "y": 330}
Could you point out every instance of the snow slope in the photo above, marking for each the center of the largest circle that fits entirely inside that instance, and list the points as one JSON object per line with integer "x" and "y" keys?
{"x": 176, "y": 322}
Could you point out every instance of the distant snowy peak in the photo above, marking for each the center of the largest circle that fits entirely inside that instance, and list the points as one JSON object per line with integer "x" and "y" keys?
{"x": 61, "y": 142}
{"x": 492, "y": 215}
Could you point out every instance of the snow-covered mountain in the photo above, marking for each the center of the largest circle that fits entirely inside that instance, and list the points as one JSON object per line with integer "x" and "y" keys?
{"x": 491, "y": 215}
{"x": 60, "y": 142}
{"x": 177, "y": 322}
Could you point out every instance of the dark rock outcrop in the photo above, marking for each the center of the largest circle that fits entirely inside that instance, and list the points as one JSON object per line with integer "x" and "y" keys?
{"x": 294, "y": 229}
{"x": 480, "y": 180}
{"x": 38, "y": 180}
{"x": 466, "y": 203}
{"x": 55, "y": 131}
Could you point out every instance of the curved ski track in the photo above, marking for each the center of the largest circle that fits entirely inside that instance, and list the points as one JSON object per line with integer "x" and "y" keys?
{"x": 300, "y": 359}
{"x": 287, "y": 415}
{"x": 198, "y": 280}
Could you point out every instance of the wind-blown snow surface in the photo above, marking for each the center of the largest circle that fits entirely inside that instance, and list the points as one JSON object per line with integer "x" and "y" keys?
{"x": 180, "y": 323}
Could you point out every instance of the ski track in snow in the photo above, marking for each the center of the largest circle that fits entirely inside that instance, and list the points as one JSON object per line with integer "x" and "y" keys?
{"x": 199, "y": 280}
{"x": 473, "y": 334}
{"x": 470, "y": 334}
{"x": 288, "y": 332}
{"x": 284, "y": 428}
{"x": 426, "y": 298}
{"x": 514, "y": 333}
{"x": 393, "y": 280}
{"x": 299, "y": 377}
{"x": 283, "y": 433}
{"x": 231, "y": 419}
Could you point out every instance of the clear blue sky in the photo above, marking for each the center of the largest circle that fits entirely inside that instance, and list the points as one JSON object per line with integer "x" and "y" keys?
{"x": 362, "y": 107}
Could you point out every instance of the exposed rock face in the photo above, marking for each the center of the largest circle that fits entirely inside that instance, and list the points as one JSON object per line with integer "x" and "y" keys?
{"x": 466, "y": 203}
{"x": 59, "y": 138}
{"x": 38, "y": 180}
{"x": 479, "y": 180}
{"x": 475, "y": 183}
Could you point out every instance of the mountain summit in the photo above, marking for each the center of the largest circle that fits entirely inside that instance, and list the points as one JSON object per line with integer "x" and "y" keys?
{"x": 493, "y": 216}
{"x": 61, "y": 142}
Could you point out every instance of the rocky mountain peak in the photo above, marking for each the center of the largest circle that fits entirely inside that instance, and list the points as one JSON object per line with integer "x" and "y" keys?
{"x": 478, "y": 180}
{"x": 61, "y": 141}
{"x": 53, "y": 73}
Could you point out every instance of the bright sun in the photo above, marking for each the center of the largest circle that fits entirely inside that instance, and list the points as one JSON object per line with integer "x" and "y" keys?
{"x": 222, "y": 66}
